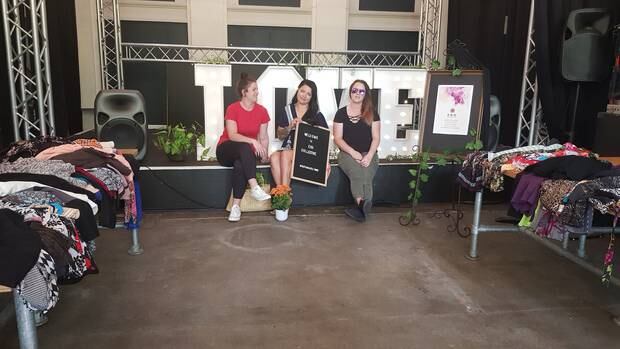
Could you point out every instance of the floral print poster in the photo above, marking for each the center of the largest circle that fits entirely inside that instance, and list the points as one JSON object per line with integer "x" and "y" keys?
{"x": 453, "y": 109}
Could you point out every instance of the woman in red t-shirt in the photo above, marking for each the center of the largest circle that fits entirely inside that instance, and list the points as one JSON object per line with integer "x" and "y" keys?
{"x": 243, "y": 141}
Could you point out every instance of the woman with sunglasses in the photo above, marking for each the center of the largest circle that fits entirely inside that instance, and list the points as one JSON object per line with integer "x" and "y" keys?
{"x": 243, "y": 141}
{"x": 357, "y": 130}
{"x": 304, "y": 107}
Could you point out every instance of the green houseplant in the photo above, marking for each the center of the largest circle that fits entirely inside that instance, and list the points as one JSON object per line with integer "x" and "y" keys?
{"x": 176, "y": 141}
{"x": 202, "y": 151}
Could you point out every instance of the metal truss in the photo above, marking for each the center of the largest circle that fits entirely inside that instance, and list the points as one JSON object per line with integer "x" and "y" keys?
{"x": 264, "y": 56}
{"x": 530, "y": 129}
{"x": 30, "y": 87}
{"x": 109, "y": 32}
{"x": 430, "y": 28}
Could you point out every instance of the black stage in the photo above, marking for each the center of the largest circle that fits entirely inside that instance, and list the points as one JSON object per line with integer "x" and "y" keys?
{"x": 191, "y": 184}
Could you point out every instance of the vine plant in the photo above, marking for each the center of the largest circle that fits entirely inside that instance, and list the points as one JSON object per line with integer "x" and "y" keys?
{"x": 420, "y": 174}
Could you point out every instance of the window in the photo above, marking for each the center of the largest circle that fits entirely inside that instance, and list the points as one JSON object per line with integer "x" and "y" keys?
{"x": 387, "y": 5}
{"x": 281, "y": 3}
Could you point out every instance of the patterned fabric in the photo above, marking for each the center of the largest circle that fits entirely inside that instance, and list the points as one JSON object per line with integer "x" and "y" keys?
{"x": 471, "y": 175}
{"x": 33, "y": 197}
{"x": 552, "y": 193}
{"x": 112, "y": 179}
{"x": 56, "y": 168}
{"x": 602, "y": 193}
{"x": 88, "y": 142}
{"x": 489, "y": 165}
{"x": 48, "y": 218}
{"x": 39, "y": 289}
{"x": 610, "y": 254}
{"x": 30, "y": 148}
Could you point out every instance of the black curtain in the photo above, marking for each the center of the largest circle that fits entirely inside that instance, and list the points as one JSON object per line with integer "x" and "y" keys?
{"x": 495, "y": 33}
{"x": 63, "y": 50}
{"x": 557, "y": 94}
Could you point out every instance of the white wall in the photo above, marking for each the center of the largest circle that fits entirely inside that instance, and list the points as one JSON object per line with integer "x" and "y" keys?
{"x": 88, "y": 58}
{"x": 207, "y": 21}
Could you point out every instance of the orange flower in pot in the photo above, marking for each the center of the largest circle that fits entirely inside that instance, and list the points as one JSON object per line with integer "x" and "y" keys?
{"x": 281, "y": 199}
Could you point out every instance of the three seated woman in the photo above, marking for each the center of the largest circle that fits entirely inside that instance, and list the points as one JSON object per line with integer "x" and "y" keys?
{"x": 356, "y": 131}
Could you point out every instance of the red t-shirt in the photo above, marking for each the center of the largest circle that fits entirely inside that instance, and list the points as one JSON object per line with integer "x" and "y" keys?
{"x": 248, "y": 122}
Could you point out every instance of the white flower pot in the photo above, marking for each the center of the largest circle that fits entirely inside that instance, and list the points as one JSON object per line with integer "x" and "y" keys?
{"x": 281, "y": 215}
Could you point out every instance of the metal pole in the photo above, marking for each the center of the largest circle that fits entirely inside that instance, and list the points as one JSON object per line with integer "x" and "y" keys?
{"x": 25, "y": 98}
{"x": 565, "y": 240}
{"x": 473, "y": 250}
{"x": 524, "y": 83}
{"x": 101, "y": 26}
{"x": 571, "y": 256}
{"x": 9, "y": 59}
{"x": 135, "y": 249}
{"x": 37, "y": 67}
{"x": 118, "y": 39}
{"x": 437, "y": 24}
{"x": 48, "y": 73}
{"x": 26, "y": 327}
{"x": 533, "y": 119}
{"x": 581, "y": 252}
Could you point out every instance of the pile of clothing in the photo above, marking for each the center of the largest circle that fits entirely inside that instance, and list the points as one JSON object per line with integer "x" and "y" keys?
{"x": 54, "y": 194}
{"x": 554, "y": 186}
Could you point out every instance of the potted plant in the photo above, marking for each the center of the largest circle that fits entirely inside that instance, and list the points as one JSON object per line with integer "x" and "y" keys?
{"x": 202, "y": 151}
{"x": 281, "y": 199}
{"x": 176, "y": 141}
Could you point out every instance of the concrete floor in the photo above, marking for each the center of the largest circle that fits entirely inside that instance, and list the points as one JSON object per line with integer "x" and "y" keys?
{"x": 322, "y": 281}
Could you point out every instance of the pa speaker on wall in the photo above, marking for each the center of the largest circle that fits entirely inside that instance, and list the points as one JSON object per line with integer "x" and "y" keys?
{"x": 120, "y": 116}
{"x": 586, "y": 47}
{"x": 491, "y": 139}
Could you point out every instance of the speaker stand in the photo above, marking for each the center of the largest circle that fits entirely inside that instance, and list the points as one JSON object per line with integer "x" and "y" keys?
{"x": 573, "y": 119}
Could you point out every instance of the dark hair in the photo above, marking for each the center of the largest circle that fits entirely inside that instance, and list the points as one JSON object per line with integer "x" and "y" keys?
{"x": 368, "y": 107}
{"x": 313, "y": 105}
{"x": 245, "y": 80}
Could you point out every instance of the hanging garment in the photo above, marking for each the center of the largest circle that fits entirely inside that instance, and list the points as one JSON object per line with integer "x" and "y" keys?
{"x": 525, "y": 196}
{"x": 39, "y": 289}
{"x": 19, "y": 248}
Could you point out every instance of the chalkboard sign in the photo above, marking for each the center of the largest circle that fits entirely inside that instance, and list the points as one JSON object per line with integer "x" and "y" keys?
{"x": 311, "y": 153}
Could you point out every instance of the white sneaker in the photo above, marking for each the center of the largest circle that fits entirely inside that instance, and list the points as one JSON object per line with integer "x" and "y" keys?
{"x": 258, "y": 194}
{"x": 235, "y": 213}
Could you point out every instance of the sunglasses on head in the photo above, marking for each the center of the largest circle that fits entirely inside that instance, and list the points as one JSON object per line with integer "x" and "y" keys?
{"x": 358, "y": 91}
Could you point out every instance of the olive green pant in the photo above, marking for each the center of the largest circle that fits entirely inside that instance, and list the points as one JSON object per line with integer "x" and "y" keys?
{"x": 359, "y": 176}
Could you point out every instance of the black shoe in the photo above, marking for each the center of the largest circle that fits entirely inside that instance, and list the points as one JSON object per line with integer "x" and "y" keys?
{"x": 365, "y": 206}
{"x": 355, "y": 213}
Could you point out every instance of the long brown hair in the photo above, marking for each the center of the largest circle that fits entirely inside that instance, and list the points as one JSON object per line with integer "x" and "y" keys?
{"x": 368, "y": 107}
{"x": 245, "y": 80}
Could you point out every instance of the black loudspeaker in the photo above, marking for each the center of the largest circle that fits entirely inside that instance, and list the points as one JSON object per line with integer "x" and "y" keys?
{"x": 491, "y": 139}
{"x": 606, "y": 136}
{"x": 120, "y": 116}
{"x": 586, "y": 49}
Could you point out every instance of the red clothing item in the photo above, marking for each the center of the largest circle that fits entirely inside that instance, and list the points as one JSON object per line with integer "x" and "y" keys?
{"x": 248, "y": 122}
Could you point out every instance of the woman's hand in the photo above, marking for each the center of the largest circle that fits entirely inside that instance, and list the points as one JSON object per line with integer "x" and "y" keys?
{"x": 357, "y": 156}
{"x": 294, "y": 123}
{"x": 366, "y": 159}
{"x": 328, "y": 170}
{"x": 259, "y": 150}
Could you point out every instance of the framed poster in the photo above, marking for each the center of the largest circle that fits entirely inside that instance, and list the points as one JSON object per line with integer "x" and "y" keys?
{"x": 452, "y": 107}
{"x": 311, "y": 154}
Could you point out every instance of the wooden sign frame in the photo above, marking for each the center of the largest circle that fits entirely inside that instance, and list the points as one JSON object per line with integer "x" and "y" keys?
{"x": 436, "y": 142}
